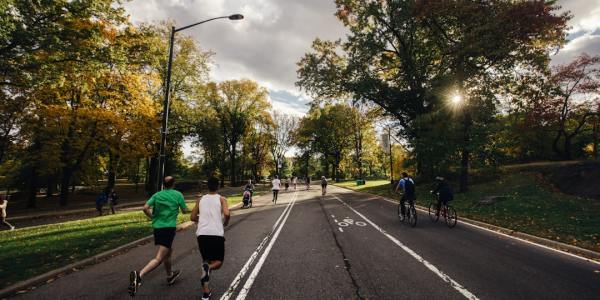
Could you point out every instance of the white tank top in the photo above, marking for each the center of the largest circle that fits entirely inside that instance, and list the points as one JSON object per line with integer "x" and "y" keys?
{"x": 210, "y": 221}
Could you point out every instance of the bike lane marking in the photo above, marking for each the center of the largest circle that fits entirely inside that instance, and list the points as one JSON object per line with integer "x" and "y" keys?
{"x": 462, "y": 290}
{"x": 236, "y": 281}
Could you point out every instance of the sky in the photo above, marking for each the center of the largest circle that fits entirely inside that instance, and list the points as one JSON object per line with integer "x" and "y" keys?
{"x": 275, "y": 34}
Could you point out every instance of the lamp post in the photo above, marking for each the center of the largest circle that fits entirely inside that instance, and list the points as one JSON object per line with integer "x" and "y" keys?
{"x": 165, "y": 120}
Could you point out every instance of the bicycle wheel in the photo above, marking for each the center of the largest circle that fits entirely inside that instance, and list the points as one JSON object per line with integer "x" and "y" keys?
{"x": 412, "y": 216}
{"x": 433, "y": 213}
{"x": 400, "y": 216}
{"x": 451, "y": 216}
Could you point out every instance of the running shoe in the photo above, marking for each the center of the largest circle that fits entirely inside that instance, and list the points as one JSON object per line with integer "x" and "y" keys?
{"x": 206, "y": 296}
{"x": 205, "y": 273}
{"x": 134, "y": 282}
{"x": 171, "y": 279}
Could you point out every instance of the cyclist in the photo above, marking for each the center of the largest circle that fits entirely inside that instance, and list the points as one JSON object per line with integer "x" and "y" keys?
{"x": 408, "y": 192}
{"x": 444, "y": 192}
{"x": 323, "y": 185}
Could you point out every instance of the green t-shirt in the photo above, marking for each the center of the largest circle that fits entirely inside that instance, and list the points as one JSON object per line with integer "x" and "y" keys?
{"x": 165, "y": 208}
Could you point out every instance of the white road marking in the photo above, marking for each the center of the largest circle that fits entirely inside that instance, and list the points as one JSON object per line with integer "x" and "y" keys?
{"x": 343, "y": 224}
{"x": 332, "y": 216}
{"x": 246, "y": 288}
{"x": 427, "y": 264}
{"x": 359, "y": 223}
{"x": 341, "y": 230}
{"x": 236, "y": 281}
{"x": 510, "y": 236}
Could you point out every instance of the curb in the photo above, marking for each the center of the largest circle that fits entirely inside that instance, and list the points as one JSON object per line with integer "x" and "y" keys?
{"x": 544, "y": 242}
{"x": 78, "y": 211}
{"x": 24, "y": 286}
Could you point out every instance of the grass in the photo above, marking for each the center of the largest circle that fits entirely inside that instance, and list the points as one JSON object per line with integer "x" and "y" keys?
{"x": 531, "y": 206}
{"x": 32, "y": 251}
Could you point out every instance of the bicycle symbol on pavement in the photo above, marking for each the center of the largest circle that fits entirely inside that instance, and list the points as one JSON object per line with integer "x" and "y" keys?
{"x": 347, "y": 222}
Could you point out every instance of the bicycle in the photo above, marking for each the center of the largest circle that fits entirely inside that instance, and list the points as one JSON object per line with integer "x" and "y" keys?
{"x": 411, "y": 211}
{"x": 447, "y": 211}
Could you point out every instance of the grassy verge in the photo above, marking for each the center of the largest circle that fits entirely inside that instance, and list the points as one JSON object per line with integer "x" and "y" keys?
{"x": 530, "y": 205}
{"x": 32, "y": 251}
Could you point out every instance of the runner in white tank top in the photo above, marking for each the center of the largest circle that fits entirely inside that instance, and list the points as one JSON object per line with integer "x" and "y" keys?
{"x": 212, "y": 214}
{"x": 210, "y": 221}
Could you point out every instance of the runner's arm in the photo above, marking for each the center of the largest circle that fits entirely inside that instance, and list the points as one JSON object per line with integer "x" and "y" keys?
{"x": 147, "y": 211}
{"x": 195, "y": 212}
{"x": 225, "y": 211}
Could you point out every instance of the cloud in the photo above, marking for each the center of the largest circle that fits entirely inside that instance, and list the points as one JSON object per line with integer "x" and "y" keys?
{"x": 584, "y": 34}
{"x": 265, "y": 46}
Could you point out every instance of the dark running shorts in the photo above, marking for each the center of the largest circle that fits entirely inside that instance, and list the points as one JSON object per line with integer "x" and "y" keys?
{"x": 164, "y": 236}
{"x": 212, "y": 247}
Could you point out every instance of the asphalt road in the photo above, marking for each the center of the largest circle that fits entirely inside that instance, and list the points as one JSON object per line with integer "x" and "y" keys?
{"x": 344, "y": 246}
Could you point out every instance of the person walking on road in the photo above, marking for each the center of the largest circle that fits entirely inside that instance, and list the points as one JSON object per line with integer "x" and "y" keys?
{"x": 323, "y": 185}
{"x": 3, "y": 222}
{"x": 308, "y": 182}
{"x": 113, "y": 201}
{"x": 408, "y": 191}
{"x": 211, "y": 214}
{"x": 287, "y": 183}
{"x": 101, "y": 201}
{"x": 165, "y": 209}
{"x": 276, "y": 183}
{"x": 295, "y": 182}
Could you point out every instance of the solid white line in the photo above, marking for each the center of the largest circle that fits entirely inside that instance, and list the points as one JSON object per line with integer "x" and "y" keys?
{"x": 427, "y": 264}
{"x": 236, "y": 281}
{"x": 511, "y": 236}
{"x": 244, "y": 291}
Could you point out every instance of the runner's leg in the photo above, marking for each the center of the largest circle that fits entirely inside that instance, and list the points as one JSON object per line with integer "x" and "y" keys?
{"x": 167, "y": 263}
{"x": 156, "y": 261}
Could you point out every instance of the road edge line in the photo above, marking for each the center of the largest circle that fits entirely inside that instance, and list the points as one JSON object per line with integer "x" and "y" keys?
{"x": 562, "y": 248}
{"x": 42, "y": 279}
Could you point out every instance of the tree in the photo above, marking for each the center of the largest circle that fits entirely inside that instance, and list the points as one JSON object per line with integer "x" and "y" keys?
{"x": 327, "y": 130}
{"x": 281, "y": 131}
{"x": 237, "y": 104}
{"x": 406, "y": 56}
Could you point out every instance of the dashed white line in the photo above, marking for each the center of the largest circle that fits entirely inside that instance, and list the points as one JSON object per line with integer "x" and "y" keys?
{"x": 248, "y": 285}
{"x": 341, "y": 230}
{"x": 236, "y": 281}
{"x": 427, "y": 264}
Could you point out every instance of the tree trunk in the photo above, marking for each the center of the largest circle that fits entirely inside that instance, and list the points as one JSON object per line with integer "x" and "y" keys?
{"x": 50, "y": 185}
{"x": 65, "y": 183}
{"x": 232, "y": 158}
{"x": 152, "y": 173}
{"x": 32, "y": 189}
{"x": 464, "y": 162}
{"x": 567, "y": 145}
{"x": 557, "y": 150}
{"x": 112, "y": 173}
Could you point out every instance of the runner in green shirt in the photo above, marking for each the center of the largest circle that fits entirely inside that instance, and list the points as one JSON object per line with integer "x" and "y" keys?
{"x": 165, "y": 207}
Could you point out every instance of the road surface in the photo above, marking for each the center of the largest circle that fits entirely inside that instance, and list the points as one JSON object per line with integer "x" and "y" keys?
{"x": 344, "y": 245}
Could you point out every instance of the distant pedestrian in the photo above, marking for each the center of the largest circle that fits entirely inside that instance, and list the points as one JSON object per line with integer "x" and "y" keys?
{"x": 101, "y": 201}
{"x": 276, "y": 183}
{"x": 3, "y": 222}
{"x": 113, "y": 201}
{"x": 308, "y": 182}
{"x": 212, "y": 214}
{"x": 287, "y": 184}
{"x": 295, "y": 182}
{"x": 165, "y": 209}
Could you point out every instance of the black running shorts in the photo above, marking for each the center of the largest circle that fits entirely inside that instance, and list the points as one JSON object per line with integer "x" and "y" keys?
{"x": 212, "y": 247}
{"x": 164, "y": 236}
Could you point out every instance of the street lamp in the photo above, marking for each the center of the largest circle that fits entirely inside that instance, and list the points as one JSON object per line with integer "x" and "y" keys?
{"x": 165, "y": 120}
